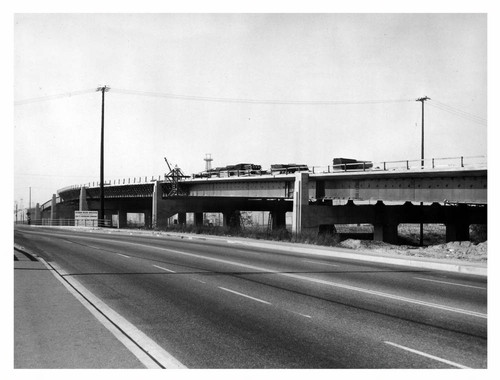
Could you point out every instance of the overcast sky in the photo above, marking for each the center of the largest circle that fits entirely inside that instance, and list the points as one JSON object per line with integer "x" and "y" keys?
{"x": 215, "y": 63}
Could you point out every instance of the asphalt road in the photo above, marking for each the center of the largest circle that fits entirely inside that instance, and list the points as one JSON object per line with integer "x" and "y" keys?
{"x": 217, "y": 304}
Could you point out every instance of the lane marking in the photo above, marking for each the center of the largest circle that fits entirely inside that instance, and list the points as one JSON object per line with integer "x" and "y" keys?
{"x": 295, "y": 312}
{"x": 245, "y": 295}
{"x": 450, "y": 283}
{"x": 319, "y": 263}
{"x": 329, "y": 283}
{"x": 121, "y": 254}
{"x": 428, "y": 355}
{"x": 299, "y": 277}
{"x": 149, "y": 353}
{"x": 165, "y": 269}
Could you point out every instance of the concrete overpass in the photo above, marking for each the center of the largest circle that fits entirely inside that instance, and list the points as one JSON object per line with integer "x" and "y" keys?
{"x": 384, "y": 197}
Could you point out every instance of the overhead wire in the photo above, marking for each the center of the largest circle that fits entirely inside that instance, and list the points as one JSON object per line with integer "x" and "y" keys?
{"x": 458, "y": 112}
{"x": 254, "y": 101}
{"x": 52, "y": 97}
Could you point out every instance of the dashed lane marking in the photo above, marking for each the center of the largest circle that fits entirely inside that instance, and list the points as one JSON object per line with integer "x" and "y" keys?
{"x": 165, "y": 269}
{"x": 311, "y": 279}
{"x": 320, "y": 263}
{"x": 451, "y": 283}
{"x": 245, "y": 295}
{"x": 427, "y": 355}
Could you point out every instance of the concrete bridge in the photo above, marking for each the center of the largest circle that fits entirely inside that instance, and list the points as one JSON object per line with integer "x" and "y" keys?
{"x": 384, "y": 197}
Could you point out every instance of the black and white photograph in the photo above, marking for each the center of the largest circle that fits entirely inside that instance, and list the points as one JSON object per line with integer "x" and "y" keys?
{"x": 241, "y": 189}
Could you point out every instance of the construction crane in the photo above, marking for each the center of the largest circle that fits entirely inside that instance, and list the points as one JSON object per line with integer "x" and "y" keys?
{"x": 174, "y": 176}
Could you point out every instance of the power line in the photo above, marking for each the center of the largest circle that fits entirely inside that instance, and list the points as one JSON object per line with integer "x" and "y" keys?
{"x": 53, "y": 97}
{"x": 254, "y": 101}
{"x": 459, "y": 113}
{"x": 447, "y": 106}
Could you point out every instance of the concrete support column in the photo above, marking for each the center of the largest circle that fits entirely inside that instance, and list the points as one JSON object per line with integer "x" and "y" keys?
{"x": 122, "y": 219}
{"x": 300, "y": 202}
{"x": 198, "y": 219}
{"x": 83, "y": 205}
{"x": 181, "y": 218}
{"x": 53, "y": 213}
{"x": 148, "y": 219}
{"x": 231, "y": 219}
{"x": 387, "y": 233}
{"x": 37, "y": 212}
{"x": 457, "y": 232}
{"x": 160, "y": 215}
{"x": 278, "y": 220}
{"x": 385, "y": 226}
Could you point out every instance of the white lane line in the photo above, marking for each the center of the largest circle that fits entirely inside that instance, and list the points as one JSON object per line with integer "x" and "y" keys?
{"x": 428, "y": 355}
{"x": 121, "y": 254}
{"x": 165, "y": 269}
{"x": 144, "y": 348}
{"x": 244, "y": 295}
{"x": 450, "y": 283}
{"x": 295, "y": 312}
{"x": 310, "y": 279}
{"x": 195, "y": 279}
{"x": 320, "y": 263}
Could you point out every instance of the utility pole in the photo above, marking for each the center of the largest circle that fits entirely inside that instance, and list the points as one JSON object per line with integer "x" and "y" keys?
{"x": 101, "y": 214}
{"x": 422, "y": 100}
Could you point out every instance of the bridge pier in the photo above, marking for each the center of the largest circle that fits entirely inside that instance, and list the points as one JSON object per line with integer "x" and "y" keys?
{"x": 386, "y": 232}
{"x": 278, "y": 220}
{"x": 300, "y": 203}
{"x": 122, "y": 219}
{"x": 148, "y": 218}
{"x": 198, "y": 219}
{"x": 53, "y": 211}
{"x": 457, "y": 232}
{"x": 181, "y": 218}
{"x": 83, "y": 205}
{"x": 37, "y": 212}
{"x": 231, "y": 219}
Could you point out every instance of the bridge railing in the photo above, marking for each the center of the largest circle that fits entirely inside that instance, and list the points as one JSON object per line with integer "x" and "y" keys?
{"x": 430, "y": 163}
{"x": 120, "y": 181}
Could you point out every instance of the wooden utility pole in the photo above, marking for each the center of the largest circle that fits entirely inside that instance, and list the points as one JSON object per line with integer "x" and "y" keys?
{"x": 101, "y": 214}
{"x": 422, "y": 100}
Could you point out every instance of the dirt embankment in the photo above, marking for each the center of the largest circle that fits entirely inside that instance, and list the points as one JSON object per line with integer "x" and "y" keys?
{"x": 464, "y": 250}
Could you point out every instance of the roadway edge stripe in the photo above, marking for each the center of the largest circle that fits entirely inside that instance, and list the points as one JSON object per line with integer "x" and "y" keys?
{"x": 144, "y": 348}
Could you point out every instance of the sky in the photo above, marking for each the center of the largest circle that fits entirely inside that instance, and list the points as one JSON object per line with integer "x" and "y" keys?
{"x": 260, "y": 88}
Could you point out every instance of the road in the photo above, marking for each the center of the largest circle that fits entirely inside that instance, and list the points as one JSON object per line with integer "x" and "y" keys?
{"x": 220, "y": 304}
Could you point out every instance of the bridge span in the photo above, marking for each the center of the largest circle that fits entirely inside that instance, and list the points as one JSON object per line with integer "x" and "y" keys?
{"x": 456, "y": 197}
